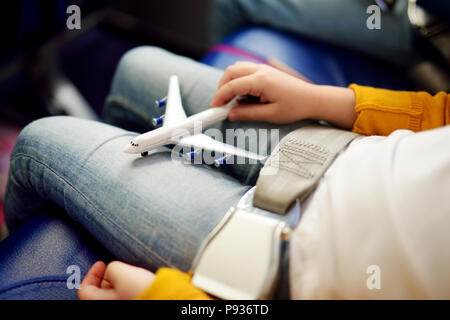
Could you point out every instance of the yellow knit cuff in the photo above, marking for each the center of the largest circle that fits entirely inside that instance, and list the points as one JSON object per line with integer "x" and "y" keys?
{"x": 381, "y": 111}
{"x": 172, "y": 284}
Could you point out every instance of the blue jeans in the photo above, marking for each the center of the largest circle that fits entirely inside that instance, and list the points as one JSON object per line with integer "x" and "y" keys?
{"x": 151, "y": 211}
{"x": 340, "y": 22}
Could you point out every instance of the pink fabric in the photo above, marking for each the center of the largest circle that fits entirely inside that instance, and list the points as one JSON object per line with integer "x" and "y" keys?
{"x": 2, "y": 215}
{"x": 237, "y": 52}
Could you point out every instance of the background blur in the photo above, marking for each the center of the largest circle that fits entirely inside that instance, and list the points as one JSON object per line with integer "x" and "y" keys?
{"x": 37, "y": 47}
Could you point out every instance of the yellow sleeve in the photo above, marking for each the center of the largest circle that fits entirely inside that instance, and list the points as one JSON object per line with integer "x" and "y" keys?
{"x": 172, "y": 284}
{"x": 381, "y": 111}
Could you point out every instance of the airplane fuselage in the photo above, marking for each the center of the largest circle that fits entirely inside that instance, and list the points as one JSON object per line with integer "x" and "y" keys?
{"x": 171, "y": 134}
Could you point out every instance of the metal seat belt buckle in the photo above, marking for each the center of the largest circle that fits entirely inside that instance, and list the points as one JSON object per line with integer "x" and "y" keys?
{"x": 240, "y": 259}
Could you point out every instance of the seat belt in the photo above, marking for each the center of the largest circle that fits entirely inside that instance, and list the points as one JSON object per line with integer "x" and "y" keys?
{"x": 243, "y": 255}
{"x": 296, "y": 165}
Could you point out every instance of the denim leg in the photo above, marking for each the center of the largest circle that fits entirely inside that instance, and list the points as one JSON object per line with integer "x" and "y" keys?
{"x": 341, "y": 22}
{"x": 142, "y": 76}
{"x": 149, "y": 211}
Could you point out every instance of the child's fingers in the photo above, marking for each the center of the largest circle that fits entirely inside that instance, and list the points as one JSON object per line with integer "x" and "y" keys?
{"x": 95, "y": 275}
{"x": 252, "y": 112}
{"x": 237, "y": 87}
{"x": 117, "y": 271}
{"x": 91, "y": 292}
{"x": 237, "y": 70}
{"x": 92, "y": 286}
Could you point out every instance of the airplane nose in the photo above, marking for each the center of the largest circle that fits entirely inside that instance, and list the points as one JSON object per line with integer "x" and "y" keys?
{"x": 128, "y": 148}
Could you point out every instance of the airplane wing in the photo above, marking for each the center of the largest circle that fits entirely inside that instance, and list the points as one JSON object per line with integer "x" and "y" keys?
{"x": 174, "y": 108}
{"x": 202, "y": 141}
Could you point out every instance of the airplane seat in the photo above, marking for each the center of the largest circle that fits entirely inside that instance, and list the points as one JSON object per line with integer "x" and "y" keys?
{"x": 319, "y": 62}
{"x": 34, "y": 259}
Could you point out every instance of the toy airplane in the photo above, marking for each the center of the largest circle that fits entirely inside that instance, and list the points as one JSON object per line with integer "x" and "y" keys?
{"x": 175, "y": 122}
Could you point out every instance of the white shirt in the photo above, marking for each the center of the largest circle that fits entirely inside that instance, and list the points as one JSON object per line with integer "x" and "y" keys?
{"x": 383, "y": 207}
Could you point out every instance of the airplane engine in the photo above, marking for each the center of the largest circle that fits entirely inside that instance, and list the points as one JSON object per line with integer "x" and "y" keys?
{"x": 221, "y": 161}
{"x": 190, "y": 156}
{"x": 158, "y": 121}
{"x": 161, "y": 102}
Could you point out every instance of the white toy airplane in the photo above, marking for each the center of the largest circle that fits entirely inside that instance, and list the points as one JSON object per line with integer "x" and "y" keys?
{"x": 178, "y": 129}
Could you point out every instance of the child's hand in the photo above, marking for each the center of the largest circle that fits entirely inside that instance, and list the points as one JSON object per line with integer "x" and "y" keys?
{"x": 280, "y": 93}
{"x": 284, "y": 98}
{"x": 118, "y": 281}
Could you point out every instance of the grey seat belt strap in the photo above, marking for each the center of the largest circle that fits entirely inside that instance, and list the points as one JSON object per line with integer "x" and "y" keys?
{"x": 296, "y": 165}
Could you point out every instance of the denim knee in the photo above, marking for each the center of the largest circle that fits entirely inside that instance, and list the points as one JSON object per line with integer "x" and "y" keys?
{"x": 135, "y": 65}
{"x": 25, "y": 187}
{"x": 34, "y": 134}
{"x": 134, "y": 86}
